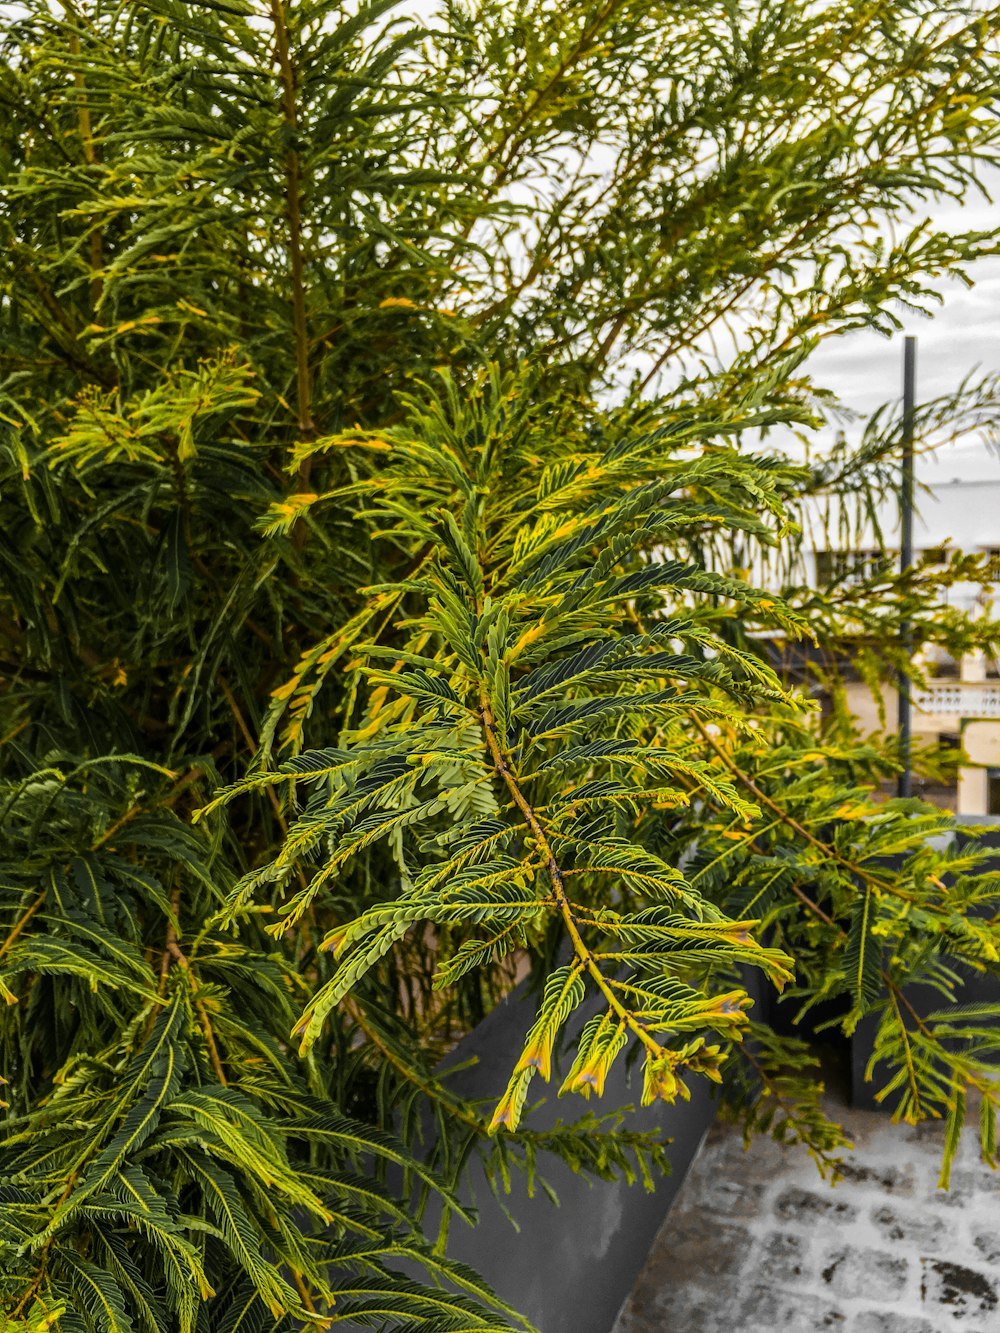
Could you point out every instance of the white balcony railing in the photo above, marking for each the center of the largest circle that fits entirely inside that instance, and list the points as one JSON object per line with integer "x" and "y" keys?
{"x": 960, "y": 698}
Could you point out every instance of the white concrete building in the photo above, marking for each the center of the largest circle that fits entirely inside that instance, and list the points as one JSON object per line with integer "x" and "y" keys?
{"x": 958, "y": 508}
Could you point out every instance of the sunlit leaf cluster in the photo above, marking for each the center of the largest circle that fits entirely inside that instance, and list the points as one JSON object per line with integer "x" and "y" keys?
{"x": 393, "y": 469}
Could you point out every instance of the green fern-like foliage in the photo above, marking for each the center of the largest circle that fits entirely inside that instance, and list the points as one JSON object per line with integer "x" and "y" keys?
{"x": 518, "y": 741}
{"x": 177, "y": 1173}
{"x": 519, "y": 732}
{"x": 564, "y": 723}
{"x": 882, "y": 904}
{"x": 373, "y": 465}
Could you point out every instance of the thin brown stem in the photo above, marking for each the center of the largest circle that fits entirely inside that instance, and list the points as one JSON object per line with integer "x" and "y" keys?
{"x": 36, "y": 1282}
{"x": 90, "y": 157}
{"x": 584, "y": 956}
{"x": 429, "y": 1088}
{"x": 303, "y": 1291}
{"x": 911, "y": 1073}
{"x": 293, "y": 217}
{"x": 20, "y": 925}
{"x": 251, "y": 745}
{"x": 174, "y": 950}
{"x": 180, "y": 786}
{"x": 791, "y": 822}
{"x": 822, "y": 1159}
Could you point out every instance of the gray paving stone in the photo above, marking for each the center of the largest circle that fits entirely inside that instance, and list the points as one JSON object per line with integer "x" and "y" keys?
{"x": 783, "y": 1256}
{"x": 732, "y": 1197}
{"x": 959, "y": 1290}
{"x": 808, "y": 1207}
{"x": 694, "y": 1237}
{"x": 876, "y": 1275}
{"x": 961, "y": 1193}
{"x": 768, "y": 1309}
{"x": 882, "y": 1179}
{"x": 729, "y": 1159}
{"x": 927, "y": 1132}
{"x": 691, "y": 1306}
{"x": 988, "y": 1245}
{"x": 912, "y": 1226}
{"x": 878, "y": 1321}
{"x": 758, "y": 1243}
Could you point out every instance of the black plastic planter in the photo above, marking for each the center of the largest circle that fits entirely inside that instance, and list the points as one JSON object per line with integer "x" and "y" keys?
{"x": 567, "y": 1268}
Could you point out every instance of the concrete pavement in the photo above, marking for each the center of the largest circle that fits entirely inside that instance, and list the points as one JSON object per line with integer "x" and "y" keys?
{"x": 757, "y": 1242}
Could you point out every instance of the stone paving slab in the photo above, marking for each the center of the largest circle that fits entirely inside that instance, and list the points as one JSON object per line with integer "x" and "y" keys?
{"x": 757, "y": 1242}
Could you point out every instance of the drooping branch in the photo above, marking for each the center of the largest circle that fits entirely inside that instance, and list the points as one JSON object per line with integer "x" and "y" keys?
{"x": 584, "y": 956}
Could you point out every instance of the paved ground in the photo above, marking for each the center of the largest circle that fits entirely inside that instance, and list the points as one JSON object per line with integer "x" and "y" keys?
{"x": 757, "y": 1241}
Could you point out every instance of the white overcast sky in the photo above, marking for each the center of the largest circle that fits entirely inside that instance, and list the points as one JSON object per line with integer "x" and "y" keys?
{"x": 865, "y": 369}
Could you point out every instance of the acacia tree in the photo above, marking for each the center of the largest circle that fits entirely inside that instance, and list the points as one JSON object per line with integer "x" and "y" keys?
{"x": 384, "y": 415}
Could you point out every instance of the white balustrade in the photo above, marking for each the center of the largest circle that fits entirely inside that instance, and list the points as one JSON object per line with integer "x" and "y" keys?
{"x": 959, "y": 699}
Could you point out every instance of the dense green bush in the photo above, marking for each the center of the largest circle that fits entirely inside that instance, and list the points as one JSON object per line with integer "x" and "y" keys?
{"x": 384, "y": 450}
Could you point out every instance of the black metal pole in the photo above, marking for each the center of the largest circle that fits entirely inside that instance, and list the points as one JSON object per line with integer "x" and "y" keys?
{"x": 905, "y": 784}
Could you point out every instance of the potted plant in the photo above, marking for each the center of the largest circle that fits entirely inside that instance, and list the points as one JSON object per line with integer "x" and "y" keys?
{"x": 395, "y": 601}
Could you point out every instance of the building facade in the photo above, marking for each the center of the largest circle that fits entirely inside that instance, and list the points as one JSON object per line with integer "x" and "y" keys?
{"x": 958, "y": 509}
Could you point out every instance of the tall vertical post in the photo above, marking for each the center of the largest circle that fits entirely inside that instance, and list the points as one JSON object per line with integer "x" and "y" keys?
{"x": 905, "y": 783}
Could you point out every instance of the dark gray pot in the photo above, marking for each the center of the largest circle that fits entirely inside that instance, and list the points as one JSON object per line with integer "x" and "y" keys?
{"x": 567, "y": 1268}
